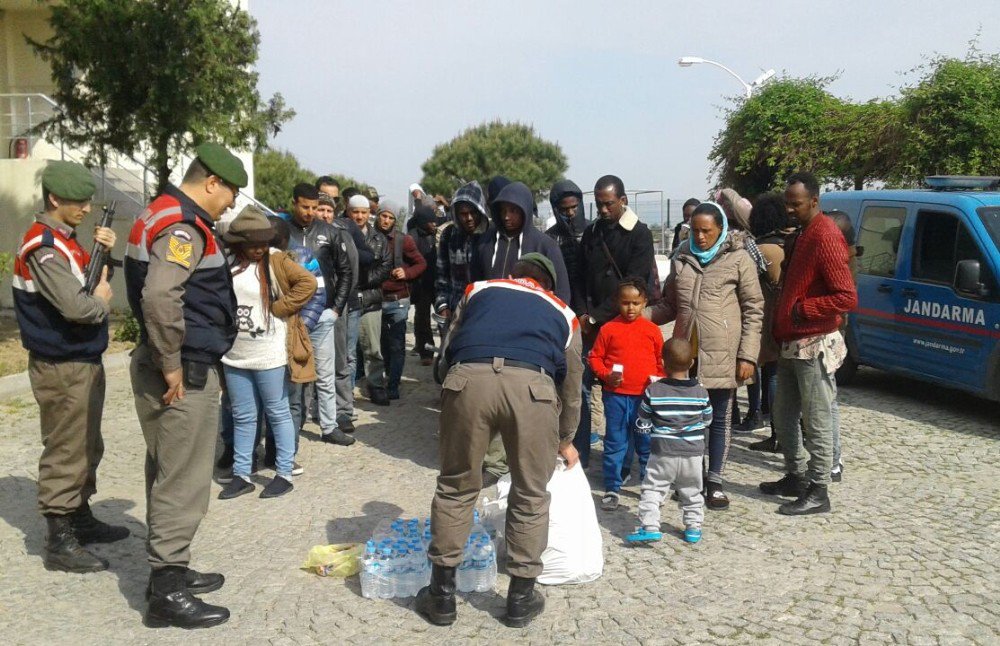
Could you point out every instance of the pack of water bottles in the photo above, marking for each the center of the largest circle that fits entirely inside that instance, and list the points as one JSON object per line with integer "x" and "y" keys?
{"x": 395, "y": 563}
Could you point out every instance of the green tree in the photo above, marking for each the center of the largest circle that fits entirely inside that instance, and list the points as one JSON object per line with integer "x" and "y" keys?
{"x": 156, "y": 77}
{"x": 783, "y": 128}
{"x": 276, "y": 172}
{"x": 866, "y": 141}
{"x": 952, "y": 118}
{"x": 495, "y": 148}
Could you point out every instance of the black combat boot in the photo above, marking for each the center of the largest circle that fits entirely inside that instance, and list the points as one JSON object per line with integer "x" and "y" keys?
{"x": 63, "y": 552}
{"x": 814, "y": 501}
{"x": 436, "y": 602}
{"x": 90, "y": 530}
{"x": 524, "y": 603}
{"x": 195, "y": 582}
{"x": 172, "y": 604}
{"x": 790, "y": 486}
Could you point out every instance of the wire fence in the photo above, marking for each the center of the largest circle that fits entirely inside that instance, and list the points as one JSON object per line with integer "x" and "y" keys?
{"x": 660, "y": 213}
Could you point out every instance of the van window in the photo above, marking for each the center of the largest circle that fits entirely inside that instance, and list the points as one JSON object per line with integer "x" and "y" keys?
{"x": 941, "y": 241}
{"x": 881, "y": 227}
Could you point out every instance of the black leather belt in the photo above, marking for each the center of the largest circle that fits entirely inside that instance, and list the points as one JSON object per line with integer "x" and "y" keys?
{"x": 507, "y": 362}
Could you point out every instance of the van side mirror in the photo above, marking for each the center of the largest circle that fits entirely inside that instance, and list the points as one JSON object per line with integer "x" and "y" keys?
{"x": 967, "y": 278}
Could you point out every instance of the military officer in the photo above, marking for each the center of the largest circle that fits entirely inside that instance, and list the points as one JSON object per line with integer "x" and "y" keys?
{"x": 65, "y": 330}
{"x": 515, "y": 368}
{"x": 180, "y": 291}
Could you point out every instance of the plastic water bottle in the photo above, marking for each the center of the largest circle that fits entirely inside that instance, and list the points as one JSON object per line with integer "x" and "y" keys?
{"x": 426, "y": 540}
{"x": 421, "y": 566}
{"x": 477, "y": 527}
{"x": 485, "y": 566}
{"x": 465, "y": 579}
{"x": 385, "y": 581}
{"x": 397, "y": 528}
{"x": 412, "y": 528}
{"x": 369, "y": 571}
{"x": 404, "y": 578}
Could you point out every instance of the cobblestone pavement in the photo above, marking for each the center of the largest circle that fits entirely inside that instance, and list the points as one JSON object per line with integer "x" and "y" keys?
{"x": 908, "y": 556}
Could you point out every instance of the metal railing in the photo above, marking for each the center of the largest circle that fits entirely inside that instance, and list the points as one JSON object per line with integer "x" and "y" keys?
{"x": 22, "y": 113}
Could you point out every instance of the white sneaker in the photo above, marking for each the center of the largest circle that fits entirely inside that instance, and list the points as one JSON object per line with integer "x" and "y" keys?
{"x": 297, "y": 469}
{"x": 610, "y": 501}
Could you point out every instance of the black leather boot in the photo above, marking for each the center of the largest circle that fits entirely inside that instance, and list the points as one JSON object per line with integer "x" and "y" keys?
{"x": 790, "y": 486}
{"x": 195, "y": 582}
{"x": 63, "y": 552}
{"x": 436, "y": 602}
{"x": 814, "y": 501}
{"x": 770, "y": 445}
{"x": 90, "y": 530}
{"x": 172, "y": 604}
{"x": 524, "y": 603}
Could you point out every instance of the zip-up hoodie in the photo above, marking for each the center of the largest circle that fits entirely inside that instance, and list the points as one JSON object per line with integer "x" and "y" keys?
{"x": 567, "y": 233}
{"x": 456, "y": 250}
{"x": 497, "y": 253}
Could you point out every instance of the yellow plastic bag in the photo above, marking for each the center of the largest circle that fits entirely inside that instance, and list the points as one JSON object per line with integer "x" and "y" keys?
{"x": 342, "y": 559}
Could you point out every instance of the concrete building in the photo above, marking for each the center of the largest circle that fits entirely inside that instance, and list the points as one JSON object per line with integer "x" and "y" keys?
{"x": 26, "y": 90}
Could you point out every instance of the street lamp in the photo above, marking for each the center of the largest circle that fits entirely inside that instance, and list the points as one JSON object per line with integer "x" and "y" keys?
{"x": 688, "y": 61}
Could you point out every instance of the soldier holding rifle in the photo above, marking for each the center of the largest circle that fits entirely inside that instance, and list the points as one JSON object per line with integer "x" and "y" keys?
{"x": 64, "y": 327}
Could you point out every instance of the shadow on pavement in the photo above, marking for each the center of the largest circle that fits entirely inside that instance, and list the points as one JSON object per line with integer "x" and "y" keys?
{"x": 358, "y": 529}
{"x": 127, "y": 558}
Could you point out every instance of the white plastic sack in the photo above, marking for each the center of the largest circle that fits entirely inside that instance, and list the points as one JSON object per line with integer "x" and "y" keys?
{"x": 575, "y": 553}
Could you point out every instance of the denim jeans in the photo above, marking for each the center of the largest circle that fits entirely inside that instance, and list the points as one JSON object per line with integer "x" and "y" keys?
{"x": 346, "y": 335}
{"x": 753, "y": 394}
{"x": 249, "y": 392}
{"x": 324, "y": 353}
{"x": 769, "y": 382}
{"x": 805, "y": 390}
{"x": 394, "y": 315}
{"x": 620, "y": 412}
{"x": 720, "y": 431}
{"x": 582, "y": 438}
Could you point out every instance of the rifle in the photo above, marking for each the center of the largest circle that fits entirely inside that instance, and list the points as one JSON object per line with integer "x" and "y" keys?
{"x": 99, "y": 256}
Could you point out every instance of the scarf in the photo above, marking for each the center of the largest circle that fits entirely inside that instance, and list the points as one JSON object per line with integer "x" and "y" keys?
{"x": 706, "y": 256}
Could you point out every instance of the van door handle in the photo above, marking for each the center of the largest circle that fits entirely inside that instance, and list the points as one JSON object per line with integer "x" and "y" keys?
{"x": 909, "y": 291}
{"x": 885, "y": 288}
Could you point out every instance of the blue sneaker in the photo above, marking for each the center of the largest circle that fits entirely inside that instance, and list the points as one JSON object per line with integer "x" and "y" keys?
{"x": 594, "y": 439}
{"x": 644, "y": 535}
{"x": 692, "y": 534}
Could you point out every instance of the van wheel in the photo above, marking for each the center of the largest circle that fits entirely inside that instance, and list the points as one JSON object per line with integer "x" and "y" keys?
{"x": 847, "y": 371}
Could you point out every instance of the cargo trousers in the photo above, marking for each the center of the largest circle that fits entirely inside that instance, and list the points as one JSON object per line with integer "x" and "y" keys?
{"x": 180, "y": 450}
{"x": 521, "y": 405}
{"x": 70, "y": 396}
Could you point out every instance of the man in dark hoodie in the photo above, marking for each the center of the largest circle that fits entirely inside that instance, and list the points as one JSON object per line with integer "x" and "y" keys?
{"x": 457, "y": 245}
{"x": 423, "y": 227}
{"x": 566, "y": 199}
{"x": 515, "y": 235}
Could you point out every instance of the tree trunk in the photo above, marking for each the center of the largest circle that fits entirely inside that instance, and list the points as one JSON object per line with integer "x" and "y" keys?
{"x": 161, "y": 164}
{"x": 859, "y": 182}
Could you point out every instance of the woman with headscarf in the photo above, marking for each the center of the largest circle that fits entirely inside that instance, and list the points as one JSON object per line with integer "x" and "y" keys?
{"x": 714, "y": 298}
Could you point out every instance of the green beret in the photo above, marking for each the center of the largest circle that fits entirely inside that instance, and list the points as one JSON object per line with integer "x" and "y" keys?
{"x": 223, "y": 163}
{"x": 543, "y": 262}
{"x": 68, "y": 180}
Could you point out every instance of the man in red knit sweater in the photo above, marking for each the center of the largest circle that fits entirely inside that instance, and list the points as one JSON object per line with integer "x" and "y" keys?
{"x": 817, "y": 287}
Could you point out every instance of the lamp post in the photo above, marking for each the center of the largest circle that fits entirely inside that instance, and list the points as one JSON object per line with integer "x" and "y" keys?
{"x": 688, "y": 61}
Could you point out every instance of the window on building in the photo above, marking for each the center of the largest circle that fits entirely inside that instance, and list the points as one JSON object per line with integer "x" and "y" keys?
{"x": 881, "y": 227}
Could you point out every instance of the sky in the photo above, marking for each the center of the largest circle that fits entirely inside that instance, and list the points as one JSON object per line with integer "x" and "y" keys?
{"x": 376, "y": 84}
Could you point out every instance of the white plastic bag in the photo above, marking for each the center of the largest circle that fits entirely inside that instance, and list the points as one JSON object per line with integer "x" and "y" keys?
{"x": 575, "y": 553}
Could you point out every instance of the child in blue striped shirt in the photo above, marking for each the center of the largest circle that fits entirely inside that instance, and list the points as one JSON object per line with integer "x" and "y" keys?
{"x": 675, "y": 411}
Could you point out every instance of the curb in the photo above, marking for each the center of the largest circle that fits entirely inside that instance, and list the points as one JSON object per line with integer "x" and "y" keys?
{"x": 19, "y": 384}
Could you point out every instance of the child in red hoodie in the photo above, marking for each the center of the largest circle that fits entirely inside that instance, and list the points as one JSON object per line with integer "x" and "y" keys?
{"x": 627, "y": 352}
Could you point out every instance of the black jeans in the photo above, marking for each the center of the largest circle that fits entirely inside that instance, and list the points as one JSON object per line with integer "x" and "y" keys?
{"x": 423, "y": 300}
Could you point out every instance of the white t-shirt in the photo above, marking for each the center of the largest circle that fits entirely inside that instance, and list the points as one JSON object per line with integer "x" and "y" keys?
{"x": 258, "y": 346}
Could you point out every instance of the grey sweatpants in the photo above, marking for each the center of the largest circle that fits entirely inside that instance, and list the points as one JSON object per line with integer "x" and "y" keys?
{"x": 664, "y": 471}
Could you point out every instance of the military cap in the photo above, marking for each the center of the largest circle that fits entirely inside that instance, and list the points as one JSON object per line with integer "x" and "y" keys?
{"x": 543, "y": 262}
{"x": 371, "y": 193}
{"x": 68, "y": 180}
{"x": 223, "y": 163}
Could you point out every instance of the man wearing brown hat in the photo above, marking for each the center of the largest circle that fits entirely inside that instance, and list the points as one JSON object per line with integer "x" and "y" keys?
{"x": 65, "y": 330}
{"x": 180, "y": 291}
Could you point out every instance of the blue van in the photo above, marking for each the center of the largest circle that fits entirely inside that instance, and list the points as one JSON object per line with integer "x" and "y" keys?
{"x": 927, "y": 275}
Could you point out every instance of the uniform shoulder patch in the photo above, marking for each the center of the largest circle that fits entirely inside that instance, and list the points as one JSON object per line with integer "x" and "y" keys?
{"x": 182, "y": 234}
{"x": 179, "y": 250}
{"x": 45, "y": 257}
